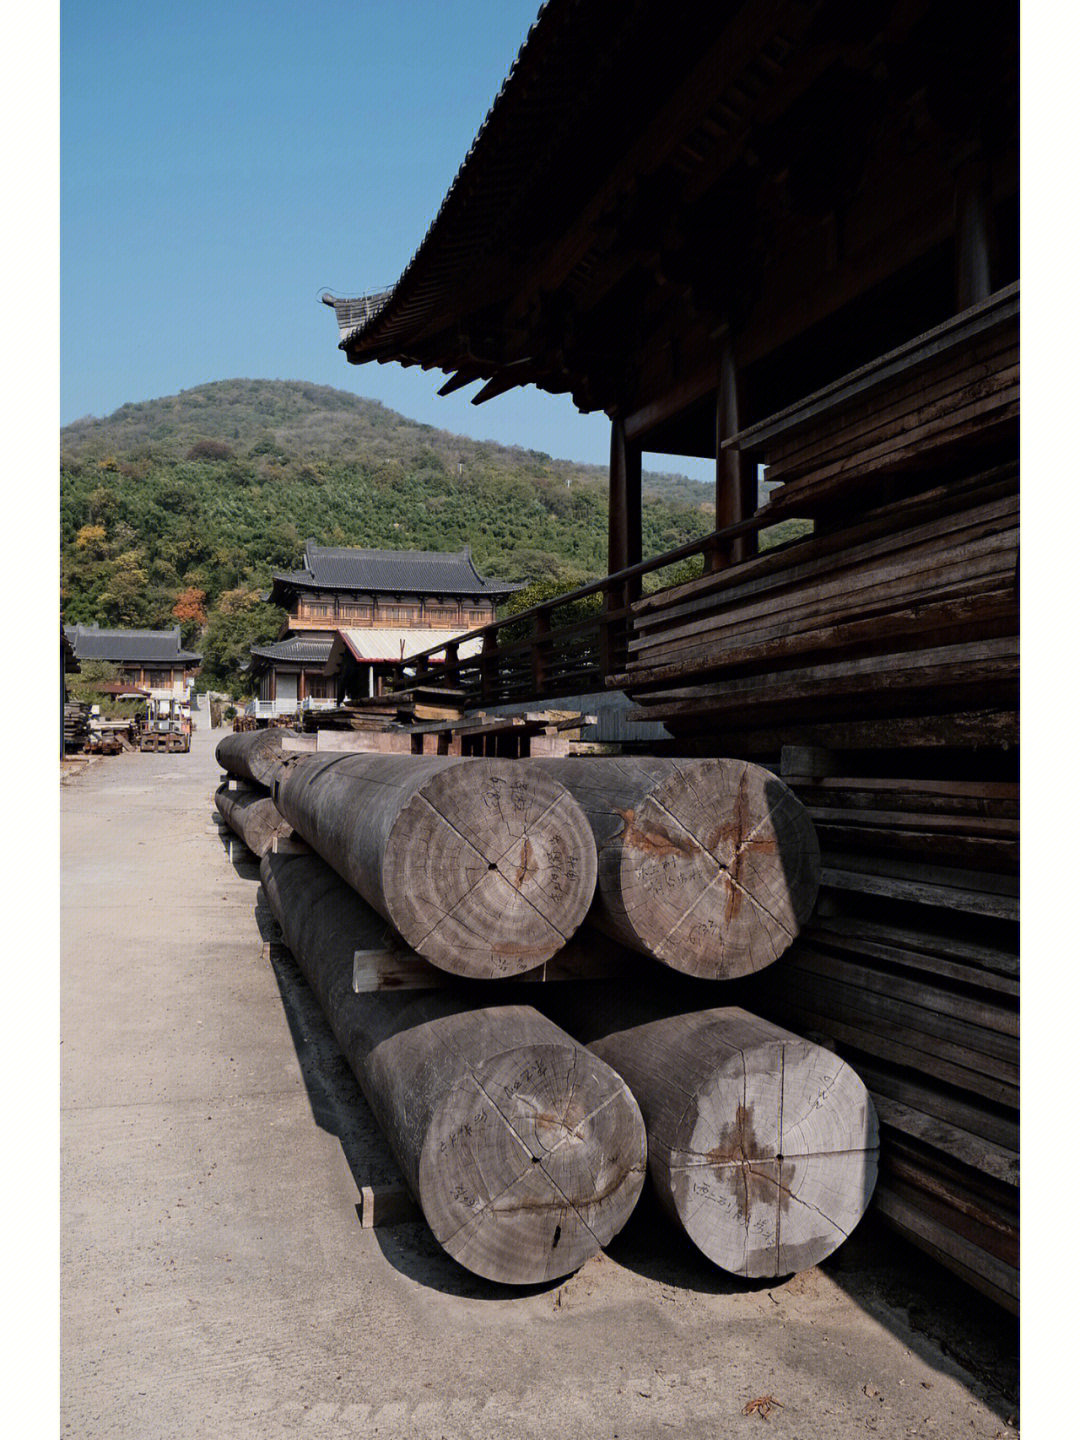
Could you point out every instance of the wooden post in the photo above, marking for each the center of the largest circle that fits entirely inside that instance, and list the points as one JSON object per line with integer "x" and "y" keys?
{"x": 711, "y": 866}
{"x": 624, "y": 500}
{"x": 525, "y": 1152}
{"x": 541, "y": 650}
{"x": 762, "y": 1145}
{"x": 736, "y": 477}
{"x": 489, "y": 668}
{"x": 485, "y": 867}
{"x": 450, "y": 663}
{"x": 973, "y": 232}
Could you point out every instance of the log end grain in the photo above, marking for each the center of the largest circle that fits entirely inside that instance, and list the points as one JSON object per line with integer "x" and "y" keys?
{"x": 719, "y": 868}
{"x": 489, "y": 869}
{"x": 533, "y": 1163}
{"x": 254, "y": 755}
{"x": 775, "y": 1159}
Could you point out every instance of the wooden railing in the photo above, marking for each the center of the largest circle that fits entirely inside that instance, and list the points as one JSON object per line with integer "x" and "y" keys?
{"x": 535, "y": 655}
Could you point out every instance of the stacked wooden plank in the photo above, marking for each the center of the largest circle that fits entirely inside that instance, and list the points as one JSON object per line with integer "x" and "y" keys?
{"x": 912, "y": 607}
{"x": 76, "y": 725}
{"x": 936, "y": 399}
{"x": 874, "y": 665}
{"x": 910, "y": 971}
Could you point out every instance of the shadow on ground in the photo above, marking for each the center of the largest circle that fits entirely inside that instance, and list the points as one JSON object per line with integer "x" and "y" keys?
{"x": 933, "y": 1314}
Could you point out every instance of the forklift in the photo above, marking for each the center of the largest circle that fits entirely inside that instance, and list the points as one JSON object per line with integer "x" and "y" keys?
{"x": 166, "y": 726}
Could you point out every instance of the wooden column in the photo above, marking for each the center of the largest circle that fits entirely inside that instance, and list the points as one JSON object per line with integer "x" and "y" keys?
{"x": 624, "y": 503}
{"x": 736, "y": 478}
{"x": 973, "y": 232}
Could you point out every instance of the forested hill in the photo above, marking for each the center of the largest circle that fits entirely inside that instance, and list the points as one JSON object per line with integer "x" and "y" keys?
{"x": 181, "y": 508}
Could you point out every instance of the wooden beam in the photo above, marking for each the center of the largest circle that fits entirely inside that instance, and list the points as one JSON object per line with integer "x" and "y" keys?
{"x": 624, "y": 503}
{"x": 736, "y": 485}
{"x": 459, "y": 381}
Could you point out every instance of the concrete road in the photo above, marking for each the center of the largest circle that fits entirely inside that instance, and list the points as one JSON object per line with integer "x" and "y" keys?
{"x": 216, "y": 1281}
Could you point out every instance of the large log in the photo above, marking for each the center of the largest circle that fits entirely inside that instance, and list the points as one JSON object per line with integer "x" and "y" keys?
{"x": 525, "y": 1152}
{"x": 253, "y": 755}
{"x": 711, "y": 866}
{"x": 485, "y": 867}
{"x": 762, "y": 1145}
{"x": 253, "y": 816}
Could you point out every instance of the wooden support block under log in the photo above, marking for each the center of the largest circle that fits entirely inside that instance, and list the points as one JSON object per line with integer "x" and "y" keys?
{"x": 711, "y": 866}
{"x": 253, "y": 816}
{"x": 390, "y": 965}
{"x": 386, "y": 1205}
{"x": 525, "y": 1152}
{"x": 485, "y": 867}
{"x": 762, "y": 1145}
{"x": 252, "y": 754}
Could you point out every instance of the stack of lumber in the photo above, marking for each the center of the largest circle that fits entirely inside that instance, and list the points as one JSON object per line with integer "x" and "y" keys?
{"x": 517, "y": 735}
{"x": 936, "y": 399}
{"x": 909, "y": 967}
{"x": 111, "y": 737}
{"x": 76, "y": 725}
{"x": 376, "y": 713}
{"x": 913, "y": 606}
{"x": 419, "y": 702}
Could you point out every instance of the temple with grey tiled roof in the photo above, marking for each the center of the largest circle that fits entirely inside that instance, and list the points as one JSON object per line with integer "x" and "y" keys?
{"x": 390, "y": 573}
{"x": 154, "y": 659}
{"x": 385, "y": 603}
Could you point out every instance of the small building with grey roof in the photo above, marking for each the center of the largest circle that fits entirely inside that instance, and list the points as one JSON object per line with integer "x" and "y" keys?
{"x": 154, "y": 660}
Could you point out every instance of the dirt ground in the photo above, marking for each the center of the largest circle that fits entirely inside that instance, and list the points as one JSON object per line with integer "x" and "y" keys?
{"x": 217, "y": 1282}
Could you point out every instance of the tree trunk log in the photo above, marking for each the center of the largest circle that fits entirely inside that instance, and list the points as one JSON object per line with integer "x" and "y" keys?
{"x": 252, "y": 816}
{"x": 525, "y": 1152}
{"x": 485, "y": 867}
{"x": 711, "y": 866}
{"x": 252, "y": 755}
{"x": 762, "y": 1145}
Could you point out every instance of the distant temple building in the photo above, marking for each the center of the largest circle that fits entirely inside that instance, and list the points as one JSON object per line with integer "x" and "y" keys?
{"x": 153, "y": 660}
{"x": 353, "y": 612}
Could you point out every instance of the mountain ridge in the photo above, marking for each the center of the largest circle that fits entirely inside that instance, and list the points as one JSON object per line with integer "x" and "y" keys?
{"x": 181, "y": 508}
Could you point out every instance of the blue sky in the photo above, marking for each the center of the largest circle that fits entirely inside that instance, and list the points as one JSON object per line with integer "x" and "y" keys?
{"x": 224, "y": 163}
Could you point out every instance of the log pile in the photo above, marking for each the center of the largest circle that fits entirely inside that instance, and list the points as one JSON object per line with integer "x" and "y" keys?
{"x": 765, "y": 1177}
{"x": 525, "y": 1152}
{"x": 910, "y": 969}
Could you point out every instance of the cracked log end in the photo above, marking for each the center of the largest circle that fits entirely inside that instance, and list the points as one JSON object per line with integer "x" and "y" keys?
{"x": 489, "y": 869}
{"x": 771, "y": 1158}
{"x": 532, "y": 1163}
{"x": 718, "y": 869}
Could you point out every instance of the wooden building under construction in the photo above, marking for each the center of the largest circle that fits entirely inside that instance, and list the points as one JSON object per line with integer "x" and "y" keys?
{"x": 785, "y": 235}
